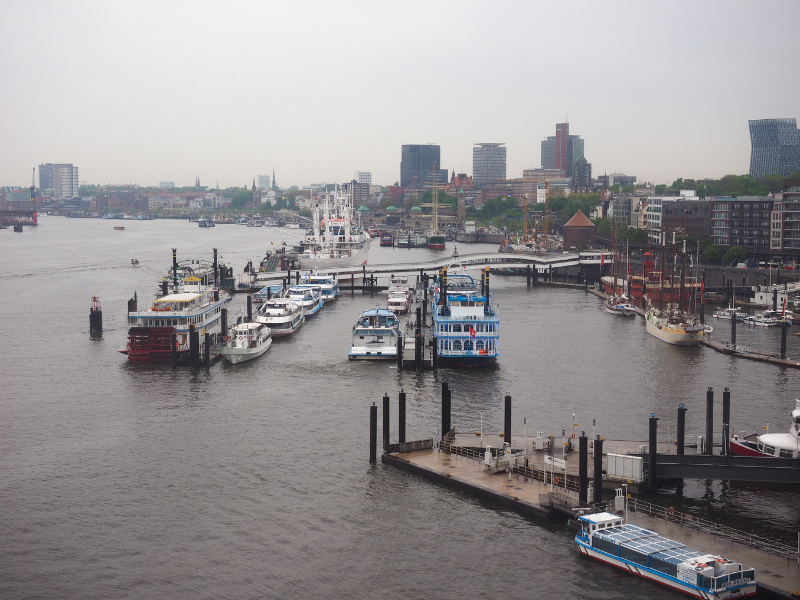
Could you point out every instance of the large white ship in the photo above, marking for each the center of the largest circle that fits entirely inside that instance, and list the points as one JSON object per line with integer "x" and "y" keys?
{"x": 335, "y": 241}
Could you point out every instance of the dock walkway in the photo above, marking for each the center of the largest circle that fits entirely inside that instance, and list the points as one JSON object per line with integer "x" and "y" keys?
{"x": 778, "y": 577}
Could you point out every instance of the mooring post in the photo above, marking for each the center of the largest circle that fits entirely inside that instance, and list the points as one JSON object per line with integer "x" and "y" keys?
{"x": 444, "y": 406}
{"x": 528, "y": 274}
{"x": 449, "y": 409}
{"x": 425, "y": 298}
{"x": 725, "y": 439}
{"x": 401, "y": 425}
{"x": 400, "y": 352}
{"x": 784, "y": 327}
{"x": 435, "y": 354}
{"x": 216, "y": 275}
{"x": 653, "y": 450}
{"x": 174, "y": 348}
{"x": 249, "y": 308}
{"x": 583, "y": 467}
{"x": 681, "y": 435}
{"x": 192, "y": 346}
{"x": 175, "y": 270}
{"x": 733, "y": 329}
{"x": 726, "y": 407}
{"x": 386, "y": 422}
{"x": 207, "y": 350}
{"x": 95, "y": 317}
{"x": 418, "y": 342}
{"x": 297, "y": 277}
{"x": 775, "y": 299}
{"x": 598, "y": 470}
{"x": 710, "y": 420}
{"x": 224, "y": 319}
{"x": 507, "y": 421}
{"x": 702, "y": 313}
{"x": 373, "y": 432}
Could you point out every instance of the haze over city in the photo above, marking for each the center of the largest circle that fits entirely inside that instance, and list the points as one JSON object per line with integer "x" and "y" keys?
{"x": 146, "y": 92}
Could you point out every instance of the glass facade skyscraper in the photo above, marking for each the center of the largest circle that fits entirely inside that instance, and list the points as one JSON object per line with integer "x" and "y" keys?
{"x": 562, "y": 150}
{"x": 488, "y": 164}
{"x": 420, "y": 160}
{"x": 775, "y": 147}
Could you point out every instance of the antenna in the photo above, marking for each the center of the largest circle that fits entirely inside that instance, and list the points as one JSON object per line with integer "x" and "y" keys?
{"x": 33, "y": 186}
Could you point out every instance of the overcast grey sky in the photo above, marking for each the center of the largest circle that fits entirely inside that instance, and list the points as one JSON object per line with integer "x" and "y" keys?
{"x": 150, "y": 91}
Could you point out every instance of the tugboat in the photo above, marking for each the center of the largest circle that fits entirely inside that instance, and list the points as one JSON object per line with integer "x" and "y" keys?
{"x": 606, "y": 537}
{"x": 375, "y": 336}
{"x": 465, "y": 324}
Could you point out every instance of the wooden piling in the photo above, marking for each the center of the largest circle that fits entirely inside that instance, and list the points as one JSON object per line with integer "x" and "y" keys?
{"x": 401, "y": 425}
{"x": 583, "y": 467}
{"x": 373, "y": 433}
{"x": 681, "y": 436}
{"x": 709, "y": 421}
{"x": 653, "y": 450}
{"x": 386, "y": 422}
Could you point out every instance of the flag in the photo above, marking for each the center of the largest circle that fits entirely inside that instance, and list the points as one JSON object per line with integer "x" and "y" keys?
{"x": 783, "y": 312}
{"x": 691, "y": 262}
{"x": 602, "y": 259}
{"x": 472, "y": 331}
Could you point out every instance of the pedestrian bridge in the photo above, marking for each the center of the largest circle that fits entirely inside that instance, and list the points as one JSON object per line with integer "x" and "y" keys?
{"x": 543, "y": 262}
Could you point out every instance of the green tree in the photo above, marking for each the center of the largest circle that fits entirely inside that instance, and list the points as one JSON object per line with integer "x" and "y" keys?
{"x": 712, "y": 255}
{"x": 241, "y": 197}
{"x": 660, "y": 189}
{"x": 735, "y": 255}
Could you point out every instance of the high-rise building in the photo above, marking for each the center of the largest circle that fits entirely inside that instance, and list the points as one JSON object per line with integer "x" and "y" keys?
{"x": 775, "y": 147}
{"x": 582, "y": 175}
{"x": 786, "y": 217}
{"x": 562, "y": 150}
{"x": 488, "y": 164}
{"x": 60, "y": 179}
{"x": 420, "y": 161}
{"x": 364, "y": 177}
{"x": 263, "y": 182}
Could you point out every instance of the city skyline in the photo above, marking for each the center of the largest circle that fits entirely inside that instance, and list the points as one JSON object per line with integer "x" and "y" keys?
{"x": 181, "y": 92}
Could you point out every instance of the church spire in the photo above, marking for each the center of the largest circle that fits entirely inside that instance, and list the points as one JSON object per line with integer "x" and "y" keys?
{"x": 274, "y": 185}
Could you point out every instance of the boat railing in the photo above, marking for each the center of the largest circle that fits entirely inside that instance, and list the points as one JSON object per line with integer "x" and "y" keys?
{"x": 760, "y": 542}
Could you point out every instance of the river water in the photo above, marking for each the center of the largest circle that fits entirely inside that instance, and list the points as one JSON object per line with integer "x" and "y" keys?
{"x": 140, "y": 481}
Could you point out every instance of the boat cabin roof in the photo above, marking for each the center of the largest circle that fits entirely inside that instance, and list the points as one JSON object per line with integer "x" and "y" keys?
{"x": 248, "y": 326}
{"x": 377, "y": 312}
{"x": 178, "y": 297}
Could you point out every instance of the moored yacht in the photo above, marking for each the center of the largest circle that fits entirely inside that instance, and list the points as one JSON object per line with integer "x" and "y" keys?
{"x": 780, "y": 445}
{"x": 375, "y": 336}
{"x": 729, "y": 312}
{"x": 674, "y": 327}
{"x": 246, "y": 342}
{"x": 397, "y": 302}
{"x": 328, "y": 288}
{"x": 620, "y": 306}
{"x": 284, "y": 316}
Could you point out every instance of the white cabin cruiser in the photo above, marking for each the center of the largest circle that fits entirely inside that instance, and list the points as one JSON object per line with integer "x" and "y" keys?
{"x": 779, "y": 445}
{"x": 397, "y": 302}
{"x": 284, "y": 316}
{"x": 309, "y": 296}
{"x": 329, "y": 289}
{"x": 246, "y": 342}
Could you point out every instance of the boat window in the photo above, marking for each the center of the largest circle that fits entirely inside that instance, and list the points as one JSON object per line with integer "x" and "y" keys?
{"x": 605, "y": 546}
{"x": 456, "y": 345}
{"x": 663, "y": 566}
{"x": 468, "y": 345}
{"x": 479, "y": 345}
{"x": 456, "y": 327}
{"x": 703, "y": 581}
{"x": 632, "y": 555}
{"x": 769, "y": 450}
{"x": 479, "y": 327}
{"x": 786, "y": 454}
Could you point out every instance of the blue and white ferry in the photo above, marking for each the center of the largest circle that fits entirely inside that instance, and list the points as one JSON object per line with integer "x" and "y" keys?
{"x": 465, "y": 324}
{"x": 645, "y": 553}
{"x": 308, "y": 296}
{"x": 375, "y": 336}
{"x": 329, "y": 289}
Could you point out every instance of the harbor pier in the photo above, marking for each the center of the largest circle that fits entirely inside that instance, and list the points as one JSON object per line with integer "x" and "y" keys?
{"x": 525, "y": 475}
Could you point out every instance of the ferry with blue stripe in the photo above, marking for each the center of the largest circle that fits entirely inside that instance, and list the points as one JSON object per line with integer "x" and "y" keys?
{"x": 329, "y": 289}
{"x": 307, "y": 296}
{"x": 375, "y": 336}
{"x": 642, "y": 552}
{"x": 465, "y": 324}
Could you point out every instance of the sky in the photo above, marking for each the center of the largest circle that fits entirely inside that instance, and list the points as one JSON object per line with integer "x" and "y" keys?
{"x": 143, "y": 92}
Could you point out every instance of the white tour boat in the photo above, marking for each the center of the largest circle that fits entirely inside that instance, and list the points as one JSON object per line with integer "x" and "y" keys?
{"x": 729, "y": 312}
{"x": 246, "y": 342}
{"x": 375, "y": 336}
{"x": 284, "y": 316}
{"x": 399, "y": 283}
{"x": 644, "y": 553}
{"x": 780, "y": 445}
{"x": 329, "y": 289}
{"x": 620, "y": 306}
{"x": 308, "y": 296}
{"x": 397, "y": 302}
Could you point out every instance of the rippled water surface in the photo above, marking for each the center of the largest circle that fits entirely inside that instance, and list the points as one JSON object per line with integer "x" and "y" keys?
{"x": 138, "y": 481}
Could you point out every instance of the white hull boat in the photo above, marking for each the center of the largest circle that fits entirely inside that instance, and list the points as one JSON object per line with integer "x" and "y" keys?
{"x": 246, "y": 342}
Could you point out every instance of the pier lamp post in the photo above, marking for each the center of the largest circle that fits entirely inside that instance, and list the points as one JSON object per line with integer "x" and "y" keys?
{"x": 525, "y": 422}
{"x": 625, "y": 485}
{"x": 481, "y": 429}
{"x": 594, "y": 437}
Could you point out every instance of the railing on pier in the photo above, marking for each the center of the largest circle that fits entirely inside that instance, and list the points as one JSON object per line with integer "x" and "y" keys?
{"x": 771, "y": 546}
{"x": 411, "y": 446}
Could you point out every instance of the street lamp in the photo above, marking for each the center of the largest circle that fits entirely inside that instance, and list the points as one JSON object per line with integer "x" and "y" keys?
{"x": 481, "y": 429}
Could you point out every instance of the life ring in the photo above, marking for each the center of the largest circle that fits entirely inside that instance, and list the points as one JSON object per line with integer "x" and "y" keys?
{"x": 671, "y": 511}
{"x": 700, "y": 566}
{"x": 556, "y": 480}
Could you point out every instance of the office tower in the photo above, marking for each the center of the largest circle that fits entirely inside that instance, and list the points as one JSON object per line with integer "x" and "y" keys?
{"x": 263, "y": 182}
{"x": 60, "y": 179}
{"x": 562, "y": 150}
{"x": 488, "y": 164}
{"x": 582, "y": 179}
{"x": 775, "y": 147}
{"x": 420, "y": 160}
